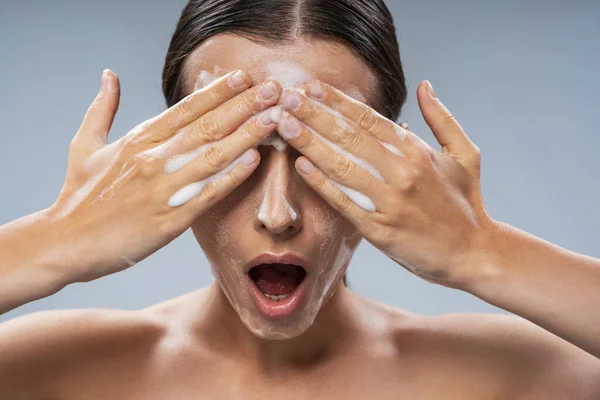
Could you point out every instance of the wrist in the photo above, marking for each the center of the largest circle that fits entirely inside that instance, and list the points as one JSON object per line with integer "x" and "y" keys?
{"x": 485, "y": 264}
{"x": 48, "y": 255}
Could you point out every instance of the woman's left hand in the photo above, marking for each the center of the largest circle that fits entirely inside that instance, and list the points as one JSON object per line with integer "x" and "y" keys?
{"x": 421, "y": 207}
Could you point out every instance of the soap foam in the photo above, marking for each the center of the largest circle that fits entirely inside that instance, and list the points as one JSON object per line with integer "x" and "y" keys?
{"x": 393, "y": 149}
{"x": 276, "y": 141}
{"x": 185, "y": 194}
{"x": 178, "y": 162}
{"x": 359, "y": 161}
{"x": 273, "y": 198}
{"x": 355, "y": 93}
{"x": 287, "y": 73}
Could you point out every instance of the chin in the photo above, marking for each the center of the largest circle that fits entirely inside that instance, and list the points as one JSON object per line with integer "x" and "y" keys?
{"x": 270, "y": 330}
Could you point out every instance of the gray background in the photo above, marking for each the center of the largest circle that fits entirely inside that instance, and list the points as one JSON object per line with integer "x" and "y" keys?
{"x": 521, "y": 77}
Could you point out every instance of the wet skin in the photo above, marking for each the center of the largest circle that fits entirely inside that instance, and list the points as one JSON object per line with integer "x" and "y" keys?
{"x": 214, "y": 343}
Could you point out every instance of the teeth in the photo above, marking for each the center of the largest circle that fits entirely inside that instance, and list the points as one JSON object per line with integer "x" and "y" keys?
{"x": 277, "y": 298}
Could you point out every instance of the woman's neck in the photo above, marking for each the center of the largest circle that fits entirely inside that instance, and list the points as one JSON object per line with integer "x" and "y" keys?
{"x": 221, "y": 327}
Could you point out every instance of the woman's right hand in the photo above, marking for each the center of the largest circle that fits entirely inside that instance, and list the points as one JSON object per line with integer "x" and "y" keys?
{"x": 117, "y": 205}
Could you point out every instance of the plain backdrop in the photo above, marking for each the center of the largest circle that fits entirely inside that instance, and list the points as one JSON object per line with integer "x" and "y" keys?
{"x": 521, "y": 76}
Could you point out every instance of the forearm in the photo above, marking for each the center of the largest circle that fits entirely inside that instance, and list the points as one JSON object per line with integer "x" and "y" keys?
{"x": 26, "y": 270}
{"x": 557, "y": 289}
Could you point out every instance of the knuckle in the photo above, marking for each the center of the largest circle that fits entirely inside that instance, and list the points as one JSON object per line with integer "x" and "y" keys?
{"x": 342, "y": 169}
{"x": 343, "y": 201}
{"x": 209, "y": 193}
{"x": 368, "y": 120}
{"x": 186, "y": 106}
{"x": 347, "y": 137}
{"x": 214, "y": 157}
{"x": 411, "y": 179}
{"x": 209, "y": 128}
{"x": 144, "y": 165}
{"x": 129, "y": 144}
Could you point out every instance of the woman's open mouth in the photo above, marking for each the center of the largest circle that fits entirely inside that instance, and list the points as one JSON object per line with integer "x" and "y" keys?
{"x": 277, "y": 287}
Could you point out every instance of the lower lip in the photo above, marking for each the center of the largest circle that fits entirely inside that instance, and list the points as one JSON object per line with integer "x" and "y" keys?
{"x": 277, "y": 309}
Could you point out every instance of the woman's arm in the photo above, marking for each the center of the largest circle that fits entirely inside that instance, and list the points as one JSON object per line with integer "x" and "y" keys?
{"x": 26, "y": 271}
{"x": 426, "y": 211}
{"x": 123, "y": 201}
{"x": 554, "y": 288}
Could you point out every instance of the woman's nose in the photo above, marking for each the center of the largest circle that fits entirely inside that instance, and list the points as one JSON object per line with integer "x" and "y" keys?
{"x": 278, "y": 212}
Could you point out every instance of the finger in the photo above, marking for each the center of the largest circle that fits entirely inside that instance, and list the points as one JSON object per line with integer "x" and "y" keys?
{"x": 228, "y": 117}
{"x": 445, "y": 127}
{"x": 346, "y": 136}
{"x": 342, "y": 169}
{"x": 330, "y": 192}
{"x": 192, "y": 107}
{"x": 195, "y": 198}
{"x": 214, "y": 157}
{"x": 93, "y": 133}
{"x": 361, "y": 114}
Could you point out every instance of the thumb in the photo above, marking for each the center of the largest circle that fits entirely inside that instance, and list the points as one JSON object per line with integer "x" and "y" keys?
{"x": 93, "y": 132}
{"x": 445, "y": 127}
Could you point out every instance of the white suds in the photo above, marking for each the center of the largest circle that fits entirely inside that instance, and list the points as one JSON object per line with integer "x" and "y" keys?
{"x": 190, "y": 191}
{"x": 276, "y": 141}
{"x": 274, "y": 204}
{"x": 393, "y": 149}
{"x": 355, "y": 93}
{"x": 205, "y": 78}
{"x": 160, "y": 151}
{"x": 358, "y": 198}
{"x": 358, "y": 161}
{"x": 287, "y": 73}
{"x": 176, "y": 163}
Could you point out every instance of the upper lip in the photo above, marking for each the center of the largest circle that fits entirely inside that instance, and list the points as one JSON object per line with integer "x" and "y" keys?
{"x": 271, "y": 258}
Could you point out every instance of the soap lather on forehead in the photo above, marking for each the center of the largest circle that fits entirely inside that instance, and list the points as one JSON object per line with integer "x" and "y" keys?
{"x": 291, "y": 65}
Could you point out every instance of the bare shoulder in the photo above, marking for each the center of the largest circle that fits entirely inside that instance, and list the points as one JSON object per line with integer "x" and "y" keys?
{"x": 41, "y": 347}
{"x": 532, "y": 362}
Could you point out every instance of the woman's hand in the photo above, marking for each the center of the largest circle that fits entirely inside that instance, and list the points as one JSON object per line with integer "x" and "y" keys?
{"x": 123, "y": 201}
{"x": 421, "y": 207}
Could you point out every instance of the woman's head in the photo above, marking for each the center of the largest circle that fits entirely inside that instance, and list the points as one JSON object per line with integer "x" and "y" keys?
{"x": 349, "y": 44}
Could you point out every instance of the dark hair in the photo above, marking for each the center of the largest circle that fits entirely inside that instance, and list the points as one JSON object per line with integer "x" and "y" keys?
{"x": 365, "y": 26}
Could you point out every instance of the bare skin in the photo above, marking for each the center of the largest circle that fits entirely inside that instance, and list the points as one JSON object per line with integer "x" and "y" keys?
{"x": 201, "y": 345}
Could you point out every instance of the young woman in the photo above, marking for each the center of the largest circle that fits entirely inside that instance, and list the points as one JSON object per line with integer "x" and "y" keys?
{"x": 279, "y": 150}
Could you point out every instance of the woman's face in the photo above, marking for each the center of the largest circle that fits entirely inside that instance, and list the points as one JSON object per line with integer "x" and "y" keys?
{"x": 274, "y": 212}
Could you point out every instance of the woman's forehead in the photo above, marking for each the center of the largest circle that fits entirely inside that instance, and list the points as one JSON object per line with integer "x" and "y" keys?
{"x": 290, "y": 64}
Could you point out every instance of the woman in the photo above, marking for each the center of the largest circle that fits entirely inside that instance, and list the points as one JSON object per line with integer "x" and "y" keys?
{"x": 280, "y": 151}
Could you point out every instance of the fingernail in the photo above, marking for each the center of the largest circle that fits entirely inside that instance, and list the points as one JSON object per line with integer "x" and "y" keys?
{"x": 248, "y": 158}
{"x": 291, "y": 101}
{"x": 238, "y": 80}
{"x": 268, "y": 91}
{"x": 104, "y": 79}
{"x": 289, "y": 128}
{"x": 276, "y": 114}
{"x": 316, "y": 91}
{"x": 430, "y": 90}
{"x": 265, "y": 118}
{"x": 305, "y": 166}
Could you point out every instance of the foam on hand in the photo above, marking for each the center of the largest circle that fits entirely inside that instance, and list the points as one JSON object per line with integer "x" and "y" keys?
{"x": 188, "y": 192}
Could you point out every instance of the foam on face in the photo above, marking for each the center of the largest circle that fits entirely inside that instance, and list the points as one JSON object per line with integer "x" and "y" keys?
{"x": 287, "y": 73}
{"x": 274, "y": 202}
{"x": 355, "y": 93}
{"x": 276, "y": 141}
